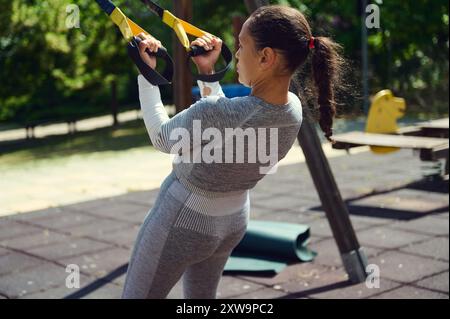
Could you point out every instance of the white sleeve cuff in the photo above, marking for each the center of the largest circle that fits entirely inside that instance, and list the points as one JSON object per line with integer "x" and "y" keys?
{"x": 210, "y": 89}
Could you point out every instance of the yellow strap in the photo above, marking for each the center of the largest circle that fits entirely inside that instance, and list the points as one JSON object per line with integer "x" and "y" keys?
{"x": 135, "y": 29}
{"x": 121, "y": 21}
{"x": 192, "y": 30}
{"x": 182, "y": 28}
{"x": 126, "y": 26}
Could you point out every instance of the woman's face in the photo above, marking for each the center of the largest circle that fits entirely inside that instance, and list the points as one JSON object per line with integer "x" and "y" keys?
{"x": 247, "y": 66}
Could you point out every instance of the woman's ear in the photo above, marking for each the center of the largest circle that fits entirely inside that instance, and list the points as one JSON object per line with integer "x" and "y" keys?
{"x": 268, "y": 57}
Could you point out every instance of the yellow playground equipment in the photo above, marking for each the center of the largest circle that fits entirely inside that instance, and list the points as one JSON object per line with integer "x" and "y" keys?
{"x": 383, "y": 135}
{"x": 384, "y": 112}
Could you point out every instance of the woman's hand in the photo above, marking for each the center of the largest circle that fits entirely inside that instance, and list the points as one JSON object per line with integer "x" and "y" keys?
{"x": 205, "y": 63}
{"x": 151, "y": 44}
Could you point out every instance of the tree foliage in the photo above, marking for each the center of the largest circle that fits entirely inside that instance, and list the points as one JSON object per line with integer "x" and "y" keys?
{"x": 50, "y": 71}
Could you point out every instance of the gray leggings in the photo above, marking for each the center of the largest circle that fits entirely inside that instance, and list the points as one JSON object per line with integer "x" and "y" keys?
{"x": 186, "y": 235}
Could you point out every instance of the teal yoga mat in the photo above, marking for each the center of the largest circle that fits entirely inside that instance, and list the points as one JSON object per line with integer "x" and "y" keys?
{"x": 268, "y": 247}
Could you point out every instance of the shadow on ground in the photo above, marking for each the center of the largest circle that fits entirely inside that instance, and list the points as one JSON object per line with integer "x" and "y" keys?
{"x": 123, "y": 137}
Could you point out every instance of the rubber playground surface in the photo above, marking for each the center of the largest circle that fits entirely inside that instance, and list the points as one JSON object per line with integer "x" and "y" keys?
{"x": 98, "y": 201}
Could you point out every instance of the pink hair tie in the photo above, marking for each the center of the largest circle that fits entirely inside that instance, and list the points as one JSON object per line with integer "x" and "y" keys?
{"x": 312, "y": 44}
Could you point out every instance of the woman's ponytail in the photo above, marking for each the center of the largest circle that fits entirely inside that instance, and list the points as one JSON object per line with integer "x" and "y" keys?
{"x": 326, "y": 67}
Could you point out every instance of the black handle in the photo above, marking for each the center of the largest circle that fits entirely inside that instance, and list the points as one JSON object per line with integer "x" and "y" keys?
{"x": 196, "y": 50}
{"x": 227, "y": 56}
{"x": 151, "y": 74}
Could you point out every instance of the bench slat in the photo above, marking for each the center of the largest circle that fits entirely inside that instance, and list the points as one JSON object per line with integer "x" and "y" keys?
{"x": 386, "y": 140}
{"x": 436, "y": 124}
{"x": 409, "y": 130}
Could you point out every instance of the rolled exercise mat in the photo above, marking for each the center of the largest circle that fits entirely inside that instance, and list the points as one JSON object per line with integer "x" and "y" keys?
{"x": 268, "y": 247}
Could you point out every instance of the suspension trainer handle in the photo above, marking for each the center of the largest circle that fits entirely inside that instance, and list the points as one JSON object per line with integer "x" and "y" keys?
{"x": 219, "y": 75}
{"x": 153, "y": 76}
{"x": 130, "y": 30}
{"x": 182, "y": 29}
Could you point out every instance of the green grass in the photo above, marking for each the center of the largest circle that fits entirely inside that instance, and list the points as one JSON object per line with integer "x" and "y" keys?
{"x": 112, "y": 139}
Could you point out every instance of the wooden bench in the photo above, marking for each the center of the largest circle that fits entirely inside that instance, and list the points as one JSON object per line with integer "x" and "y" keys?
{"x": 410, "y": 131}
{"x": 430, "y": 148}
{"x": 436, "y": 128}
{"x": 383, "y": 135}
{"x": 30, "y": 126}
{"x": 71, "y": 122}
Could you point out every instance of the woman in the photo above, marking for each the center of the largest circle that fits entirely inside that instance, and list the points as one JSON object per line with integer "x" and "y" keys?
{"x": 202, "y": 210}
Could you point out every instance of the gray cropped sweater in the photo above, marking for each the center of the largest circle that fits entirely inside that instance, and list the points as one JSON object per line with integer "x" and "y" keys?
{"x": 221, "y": 145}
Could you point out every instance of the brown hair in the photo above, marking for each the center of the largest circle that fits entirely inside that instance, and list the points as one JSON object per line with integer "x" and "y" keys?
{"x": 286, "y": 29}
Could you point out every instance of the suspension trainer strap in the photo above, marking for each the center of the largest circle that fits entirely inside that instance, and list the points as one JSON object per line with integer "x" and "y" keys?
{"x": 130, "y": 30}
{"x": 182, "y": 29}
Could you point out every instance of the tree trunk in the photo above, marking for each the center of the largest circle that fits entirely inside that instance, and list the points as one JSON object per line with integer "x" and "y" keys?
{"x": 182, "y": 84}
{"x": 114, "y": 103}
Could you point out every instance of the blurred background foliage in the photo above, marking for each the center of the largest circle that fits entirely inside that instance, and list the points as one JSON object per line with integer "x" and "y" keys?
{"x": 50, "y": 72}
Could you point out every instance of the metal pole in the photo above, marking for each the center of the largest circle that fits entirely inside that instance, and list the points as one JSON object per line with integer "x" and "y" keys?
{"x": 353, "y": 257}
{"x": 365, "y": 58}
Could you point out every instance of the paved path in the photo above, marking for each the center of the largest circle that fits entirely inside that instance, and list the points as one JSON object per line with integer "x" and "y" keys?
{"x": 40, "y": 184}
{"x": 400, "y": 219}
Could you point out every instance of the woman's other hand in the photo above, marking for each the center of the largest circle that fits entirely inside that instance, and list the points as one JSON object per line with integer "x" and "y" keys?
{"x": 205, "y": 62}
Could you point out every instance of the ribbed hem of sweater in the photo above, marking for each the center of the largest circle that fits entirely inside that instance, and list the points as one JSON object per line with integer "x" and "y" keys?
{"x": 195, "y": 189}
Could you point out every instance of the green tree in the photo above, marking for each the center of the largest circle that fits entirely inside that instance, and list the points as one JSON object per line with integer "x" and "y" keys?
{"x": 50, "y": 71}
